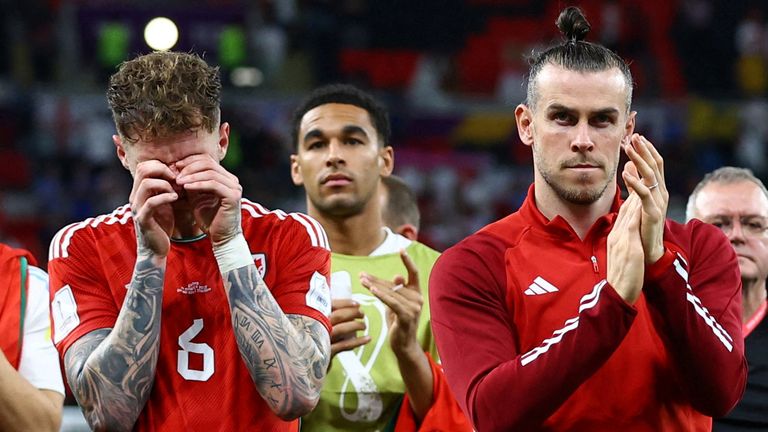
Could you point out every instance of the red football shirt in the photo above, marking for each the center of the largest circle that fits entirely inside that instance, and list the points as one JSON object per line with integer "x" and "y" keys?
{"x": 201, "y": 382}
{"x": 533, "y": 338}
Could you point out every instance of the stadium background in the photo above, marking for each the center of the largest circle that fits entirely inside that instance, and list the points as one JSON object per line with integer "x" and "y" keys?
{"x": 451, "y": 72}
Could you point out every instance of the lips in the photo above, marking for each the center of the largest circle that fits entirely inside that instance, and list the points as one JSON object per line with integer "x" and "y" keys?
{"x": 336, "y": 179}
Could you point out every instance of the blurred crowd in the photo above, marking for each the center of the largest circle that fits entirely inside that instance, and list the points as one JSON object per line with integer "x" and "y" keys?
{"x": 451, "y": 72}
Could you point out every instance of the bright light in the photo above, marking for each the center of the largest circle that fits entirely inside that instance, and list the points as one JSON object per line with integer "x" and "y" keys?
{"x": 246, "y": 77}
{"x": 161, "y": 34}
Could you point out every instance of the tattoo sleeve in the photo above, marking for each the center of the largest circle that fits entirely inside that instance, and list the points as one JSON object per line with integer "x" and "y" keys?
{"x": 286, "y": 355}
{"x": 111, "y": 371}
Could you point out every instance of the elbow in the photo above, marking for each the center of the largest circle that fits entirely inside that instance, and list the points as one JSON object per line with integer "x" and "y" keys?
{"x": 299, "y": 407}
{"x": 723, "y": 397}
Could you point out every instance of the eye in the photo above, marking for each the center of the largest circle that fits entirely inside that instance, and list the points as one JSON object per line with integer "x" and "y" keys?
{"x": 314, "y": 145}
{"x": 602, "y": 120}
{"x": 352, "y": 141}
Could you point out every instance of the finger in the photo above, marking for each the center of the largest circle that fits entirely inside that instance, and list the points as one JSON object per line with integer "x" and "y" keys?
{"x": 659, "y": 163}
{"x": 192, "y": 166}
{"x": 346, "y": 330}
{"x": 346, "y": 315}
{"x": 395, "y": 301}
{"x": 642, "y": 191}
{"x": 154, "y": 169}
{"x": 643, "y": 167}
{"x": 214, "y": 187}
{"x": 630, "y": 168}
{"x": 151, "y": 204}
{"x": 149, "y": 187}
{"x": 349, "y": 344}
{"x": 209, "y": 175}
{"x": 413, "y": 271}
{"x": 343, "y": 303}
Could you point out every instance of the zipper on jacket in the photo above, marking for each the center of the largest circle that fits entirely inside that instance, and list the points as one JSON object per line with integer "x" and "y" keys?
{"x": 594, "y": 264}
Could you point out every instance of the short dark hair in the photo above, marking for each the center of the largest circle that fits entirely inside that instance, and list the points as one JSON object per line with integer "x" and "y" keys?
{"x": 401, "y": 206}
{"x": 164, "y": 93}
{"x": 343, "y": 94}
{"x": 575, "y": 54}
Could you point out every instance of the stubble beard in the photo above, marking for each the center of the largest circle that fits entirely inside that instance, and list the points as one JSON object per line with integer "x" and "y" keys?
{"x": 579, "y": 194}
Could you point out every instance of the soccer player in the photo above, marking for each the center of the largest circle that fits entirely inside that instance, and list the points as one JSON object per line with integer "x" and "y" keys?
{"x": 399, "y": 208}
{"x": 736, "y": 201}
{"x": 189, "y": 308}
{"x": 580, "y": 312}
{"x": 31, "y": 388}
{"x": 385, "y": 377}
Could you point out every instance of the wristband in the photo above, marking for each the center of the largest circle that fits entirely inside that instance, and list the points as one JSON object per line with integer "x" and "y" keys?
{"x": 233, "y": 254}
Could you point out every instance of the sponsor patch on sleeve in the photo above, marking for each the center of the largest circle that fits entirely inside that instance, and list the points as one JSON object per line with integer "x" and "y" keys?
{"x": 64, "y": 313}
{"x": 319, "y": 295}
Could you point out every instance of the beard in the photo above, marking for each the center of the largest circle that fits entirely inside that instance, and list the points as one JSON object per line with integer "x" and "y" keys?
{"x": 340, "y": 206}
{"x": 581, "y": 193}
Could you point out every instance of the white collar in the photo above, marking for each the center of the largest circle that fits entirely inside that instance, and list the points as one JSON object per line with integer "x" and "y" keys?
{"x": 392, "y": 243}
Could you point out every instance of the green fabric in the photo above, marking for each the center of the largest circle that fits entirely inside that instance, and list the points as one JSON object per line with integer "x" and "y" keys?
{"x": 381, "y": 402}
{"x": 23, "y": 298}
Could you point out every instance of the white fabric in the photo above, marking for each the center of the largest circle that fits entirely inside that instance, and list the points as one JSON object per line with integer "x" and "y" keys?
{"x": 39, "y": 362}
{"x": 392, "y": 243}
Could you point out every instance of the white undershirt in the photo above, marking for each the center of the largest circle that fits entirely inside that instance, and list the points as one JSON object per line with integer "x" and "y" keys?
{"x": 392, "y": 243}
{"x": 39, "y": 363}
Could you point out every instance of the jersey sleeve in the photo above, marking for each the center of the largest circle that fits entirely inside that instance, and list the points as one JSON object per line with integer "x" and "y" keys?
{"x": 696, "y": 297}
{"x": 499, "y": 387}
{"x": 303, "y": 265}
{"x": 80, "y": 298}
{"x": 39, "y": 363}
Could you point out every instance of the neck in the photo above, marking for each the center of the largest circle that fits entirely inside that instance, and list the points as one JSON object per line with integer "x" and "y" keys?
{"x": 356, "y": 235}
{"x": 184, "y": 225}
{"x": 579, "y": 216}
{"x": 753, "y": 294}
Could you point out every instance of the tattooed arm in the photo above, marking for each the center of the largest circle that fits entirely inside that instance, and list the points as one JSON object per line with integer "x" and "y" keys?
{"x": 111, "y": 371}
{"x": 286, "y": 355}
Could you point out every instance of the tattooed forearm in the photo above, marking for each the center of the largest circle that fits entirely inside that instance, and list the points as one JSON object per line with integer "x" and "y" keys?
{"x": 111, "y": 371}
{"x": 287, "y": 355}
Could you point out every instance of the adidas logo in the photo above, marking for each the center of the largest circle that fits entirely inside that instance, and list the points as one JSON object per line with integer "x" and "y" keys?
{"x": 540, "y": 287}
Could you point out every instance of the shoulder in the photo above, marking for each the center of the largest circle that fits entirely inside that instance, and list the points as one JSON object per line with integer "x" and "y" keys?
{"x": 419, "y": 251}
{"x": 118, "y": 223}
{"x": 477, "y": 256}
{"x": 292, "y": 227}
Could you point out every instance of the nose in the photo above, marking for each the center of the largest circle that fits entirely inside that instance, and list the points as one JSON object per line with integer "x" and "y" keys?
{"x": 736, "y": 234}
{"x": 582, "y": 142}
{"x": 335, "y": 153}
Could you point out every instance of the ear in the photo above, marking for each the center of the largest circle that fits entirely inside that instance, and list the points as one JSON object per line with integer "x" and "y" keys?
{"x": 408, "y": 231}
{"x": 386, "y": 161}
{"x": 296, "y": 176}
{"x": 223, "y": 140}
{"x": 629, "y": 128}
{"x": 121, "y": 153}
{"x": 524, "y": 120}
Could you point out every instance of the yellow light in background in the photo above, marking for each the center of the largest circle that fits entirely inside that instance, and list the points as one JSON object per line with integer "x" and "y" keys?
{"x": 161, "y": 34}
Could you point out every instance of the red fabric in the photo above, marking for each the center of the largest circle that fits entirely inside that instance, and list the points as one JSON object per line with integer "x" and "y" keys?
{"x": 10, "y": 301}
{"x": 95, "y": 259}
{"x": 579, "y": 358}
{"x": 443, "y": 416}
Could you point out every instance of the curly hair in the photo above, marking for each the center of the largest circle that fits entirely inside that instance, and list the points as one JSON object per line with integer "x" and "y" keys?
{"x": 164, "y": 93}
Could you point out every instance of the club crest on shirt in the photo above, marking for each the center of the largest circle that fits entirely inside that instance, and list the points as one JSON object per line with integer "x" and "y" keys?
{"x": 260, "y": 260}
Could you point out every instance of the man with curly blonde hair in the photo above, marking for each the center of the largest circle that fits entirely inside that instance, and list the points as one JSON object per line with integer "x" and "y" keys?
{"x": 190, "y": 307}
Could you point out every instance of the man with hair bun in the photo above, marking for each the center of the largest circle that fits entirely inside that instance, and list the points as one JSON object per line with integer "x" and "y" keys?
{"x": 189, "y": 308}
{"x": 582, "y": 311}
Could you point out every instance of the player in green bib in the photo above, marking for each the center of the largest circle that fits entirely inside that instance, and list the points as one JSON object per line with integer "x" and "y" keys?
{"x": 382, "y": 376}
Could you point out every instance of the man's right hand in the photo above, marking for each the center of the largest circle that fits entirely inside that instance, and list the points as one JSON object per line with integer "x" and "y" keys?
{"x": 151, "y": 199}
{"x": 626, "y": 259}
{"x": 346, "y": 319}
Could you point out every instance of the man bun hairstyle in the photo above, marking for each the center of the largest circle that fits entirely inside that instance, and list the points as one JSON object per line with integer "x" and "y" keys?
{"x": 572, "y": 24}
{"x": 575, "y": 54}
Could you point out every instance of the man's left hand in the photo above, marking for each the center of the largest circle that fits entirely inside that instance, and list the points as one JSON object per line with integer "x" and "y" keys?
{"x": 404, "y": 300}
{"x": 214, "y": 194}
{"x": 644, "y": 175}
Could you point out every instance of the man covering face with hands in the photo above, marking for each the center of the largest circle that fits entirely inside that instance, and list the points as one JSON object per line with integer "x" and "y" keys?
{"x": 189, "y": 296}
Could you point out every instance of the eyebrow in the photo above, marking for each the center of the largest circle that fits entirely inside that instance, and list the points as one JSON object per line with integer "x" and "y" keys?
{"x": 346, "y": 130}
{"x": 602, "y": 111}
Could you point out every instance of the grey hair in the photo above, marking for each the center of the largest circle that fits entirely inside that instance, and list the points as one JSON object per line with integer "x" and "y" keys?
{"x": 724, "y": 175}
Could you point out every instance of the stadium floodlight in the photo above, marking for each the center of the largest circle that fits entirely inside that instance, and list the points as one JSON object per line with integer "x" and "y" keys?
{"x": 161, "y": 34}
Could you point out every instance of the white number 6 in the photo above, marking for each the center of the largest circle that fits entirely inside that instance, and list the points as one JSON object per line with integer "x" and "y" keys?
{"x": 191, "y": 347}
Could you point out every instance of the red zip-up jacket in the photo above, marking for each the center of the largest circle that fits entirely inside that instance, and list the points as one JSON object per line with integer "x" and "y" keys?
{"x": 532, "y": 337}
